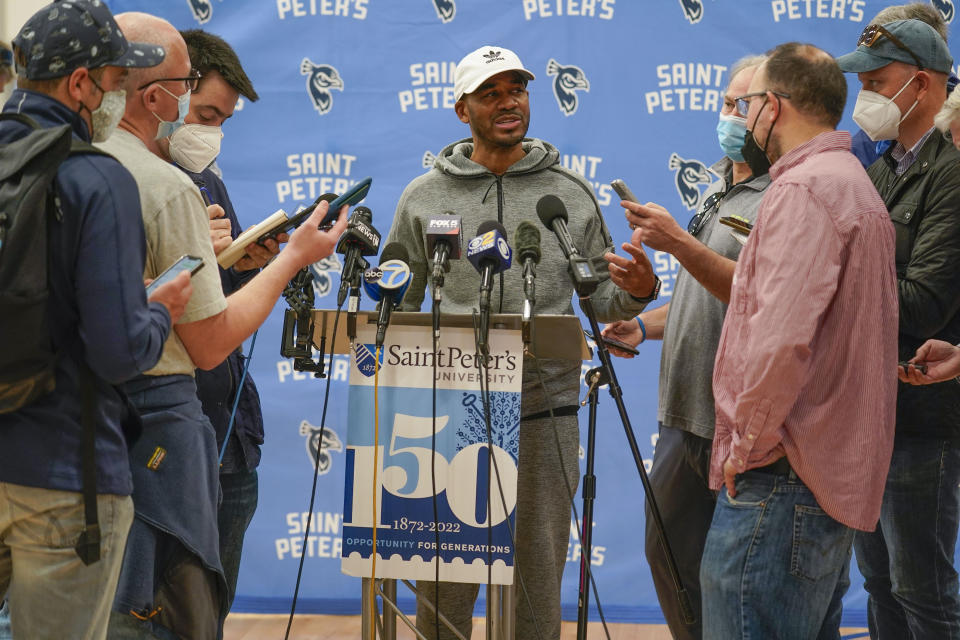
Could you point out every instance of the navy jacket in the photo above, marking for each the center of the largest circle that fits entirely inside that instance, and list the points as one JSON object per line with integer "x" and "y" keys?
{"x": 217, "y": 387}
{"x": 98, "y": 312}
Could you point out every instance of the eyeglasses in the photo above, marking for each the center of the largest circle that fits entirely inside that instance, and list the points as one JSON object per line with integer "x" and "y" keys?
{"x": 710, "y": 205}
{"x": 191, "y": 82}
{"x": 743, "y": 102}
{"x": 874, "y": 32}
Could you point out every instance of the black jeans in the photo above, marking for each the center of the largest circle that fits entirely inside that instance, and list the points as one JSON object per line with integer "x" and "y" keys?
{"x": 680, "y": 481}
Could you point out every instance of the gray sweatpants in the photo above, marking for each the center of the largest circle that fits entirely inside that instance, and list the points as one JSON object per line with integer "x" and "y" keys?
{"x": 543, "y": 533}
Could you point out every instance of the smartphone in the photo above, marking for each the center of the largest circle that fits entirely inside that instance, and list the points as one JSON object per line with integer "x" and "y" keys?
{"x": 356, "y": 193}
{"x": 922, "y": 368}
{"x": 623, "y": 191}
{"x": 185, "y": 263}
{"x": 612, "y": 342}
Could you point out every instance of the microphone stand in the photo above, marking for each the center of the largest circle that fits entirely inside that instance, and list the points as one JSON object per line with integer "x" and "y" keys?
{"x": 436, "y": 289}
{"x": 529, "y": 302}
{"x": 596, "y": 378}
{"x": 354, "y": 304}
{"x": 608, "y": 375}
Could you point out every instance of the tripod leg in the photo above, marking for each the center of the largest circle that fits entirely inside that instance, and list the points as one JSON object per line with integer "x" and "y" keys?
{"x": 367, "y": 607}
{"x": 616, "y": 393}
{"x": 389, "y": 616}
{"x": 589, "y": 493}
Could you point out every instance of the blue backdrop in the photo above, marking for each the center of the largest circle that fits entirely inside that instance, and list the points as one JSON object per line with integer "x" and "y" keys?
{"x": 351, "y": 88}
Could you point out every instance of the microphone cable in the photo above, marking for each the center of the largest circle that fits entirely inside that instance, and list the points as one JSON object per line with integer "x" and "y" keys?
{"x": 483, "y": 368}
{"x": 433, "y": 471}
{"x": 316, "y": 474}
{"x": 376, "y": 460}
{"x": 236, "y": 399}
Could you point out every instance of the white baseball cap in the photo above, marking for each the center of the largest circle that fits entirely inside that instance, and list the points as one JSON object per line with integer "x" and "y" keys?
{"x": 487, "y": 61}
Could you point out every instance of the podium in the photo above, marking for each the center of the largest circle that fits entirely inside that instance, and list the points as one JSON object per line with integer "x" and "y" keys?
{"x": 418, "y": 441}
{"x": 555, "y": 336}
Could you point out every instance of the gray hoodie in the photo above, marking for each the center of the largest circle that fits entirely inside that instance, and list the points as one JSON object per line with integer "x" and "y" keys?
{"x": 458, "y": 185}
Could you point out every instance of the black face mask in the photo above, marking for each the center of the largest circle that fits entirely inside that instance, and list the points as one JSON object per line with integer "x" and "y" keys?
{"x": 755, "y": 157}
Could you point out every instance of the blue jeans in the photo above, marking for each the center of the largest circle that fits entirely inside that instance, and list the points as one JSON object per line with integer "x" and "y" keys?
{"x": 5, "y": 633}
{"x": 239, "y": 501}
{"x": 772, "y": 561}
{"x": 907, "y": 563}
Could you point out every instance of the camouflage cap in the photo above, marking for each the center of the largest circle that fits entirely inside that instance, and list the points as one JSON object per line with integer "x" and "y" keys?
{"x": 69, "y": 34}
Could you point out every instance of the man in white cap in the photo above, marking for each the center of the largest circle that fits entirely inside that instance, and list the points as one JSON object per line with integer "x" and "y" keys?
{"x": 499, "y": 174}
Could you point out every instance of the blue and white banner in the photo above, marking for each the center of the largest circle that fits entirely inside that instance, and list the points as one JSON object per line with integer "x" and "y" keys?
{"x": 392, "y": 416}
{"x": 625, "y": 89}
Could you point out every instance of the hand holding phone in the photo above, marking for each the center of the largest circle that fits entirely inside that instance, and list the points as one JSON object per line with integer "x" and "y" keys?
{"x": 613, "y": 342}
{"x": 919, "y": 366}
{"x": 184, "y": 263}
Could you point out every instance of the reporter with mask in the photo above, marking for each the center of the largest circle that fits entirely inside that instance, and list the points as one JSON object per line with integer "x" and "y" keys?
{"x": 172, "y": 579}
{"x": 232, "y": 407}
{"x": 690, "y": 326}
{"x": 903, "y": 67}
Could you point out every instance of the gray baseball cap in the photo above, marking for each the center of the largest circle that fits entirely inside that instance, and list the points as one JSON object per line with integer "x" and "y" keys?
{"x": 910, "y": 41}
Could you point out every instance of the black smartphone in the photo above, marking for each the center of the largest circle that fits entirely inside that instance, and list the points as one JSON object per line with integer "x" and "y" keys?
{"x": 612, "y": 342}
{"x": 184, "y": 263}
{"x": 922, "y": 368}
{"x": 623, "y": 191}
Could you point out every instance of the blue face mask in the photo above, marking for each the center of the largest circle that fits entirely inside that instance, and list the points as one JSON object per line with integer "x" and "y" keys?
{"x": 183, "y": 106}
{"x": 731, "y": 132}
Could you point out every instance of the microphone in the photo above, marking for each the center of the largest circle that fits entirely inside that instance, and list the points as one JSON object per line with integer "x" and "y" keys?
{"x": 528, "y": 252}
{"x": 388, "y": 283}
{"x": 444, "y": 237}
{"x": 489, "y": 253}
{"x": 553, "y": 215}
{"x": 360, "y": 239}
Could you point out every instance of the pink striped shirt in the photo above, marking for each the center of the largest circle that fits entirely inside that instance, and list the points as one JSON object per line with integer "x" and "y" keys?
{"x": 807, "y": 360}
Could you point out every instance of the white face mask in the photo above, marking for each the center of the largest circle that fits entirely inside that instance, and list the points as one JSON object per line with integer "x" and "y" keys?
{"x": 879, "y": 116}
{"x": 105, "y": 118}
{"x": 195, "y": 146}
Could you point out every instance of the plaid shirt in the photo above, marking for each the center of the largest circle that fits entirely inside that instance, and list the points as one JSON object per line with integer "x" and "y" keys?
{"x": 905, "y": 158}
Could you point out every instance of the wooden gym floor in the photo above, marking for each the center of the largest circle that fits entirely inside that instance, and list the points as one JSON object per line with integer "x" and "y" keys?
{"x": 244, "y": 626}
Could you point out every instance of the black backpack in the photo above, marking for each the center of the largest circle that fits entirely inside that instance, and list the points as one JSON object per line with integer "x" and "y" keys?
{"x": 28, "y": 202}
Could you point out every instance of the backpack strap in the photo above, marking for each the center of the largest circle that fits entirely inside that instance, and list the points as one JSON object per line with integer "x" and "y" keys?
{"x": 19, "y": 117}
{"x": 88, "y": 544}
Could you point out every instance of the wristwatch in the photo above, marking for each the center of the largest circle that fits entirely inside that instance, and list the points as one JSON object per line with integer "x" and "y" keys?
{"x": 654, "y": 294}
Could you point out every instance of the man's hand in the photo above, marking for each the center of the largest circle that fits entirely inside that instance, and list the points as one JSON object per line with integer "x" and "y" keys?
{"x": 308, "y": 244}
{"x": 729, "y": 478}
{"x": 654, "y": 226}
{"x": 625, "y": 331}
{"x": 174, "y": 295}
{"x": 633, "y": 276}
{"x": 219, "y": 228}
{"x": 942, "y": 360}
{"x": 258, "y": 255}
